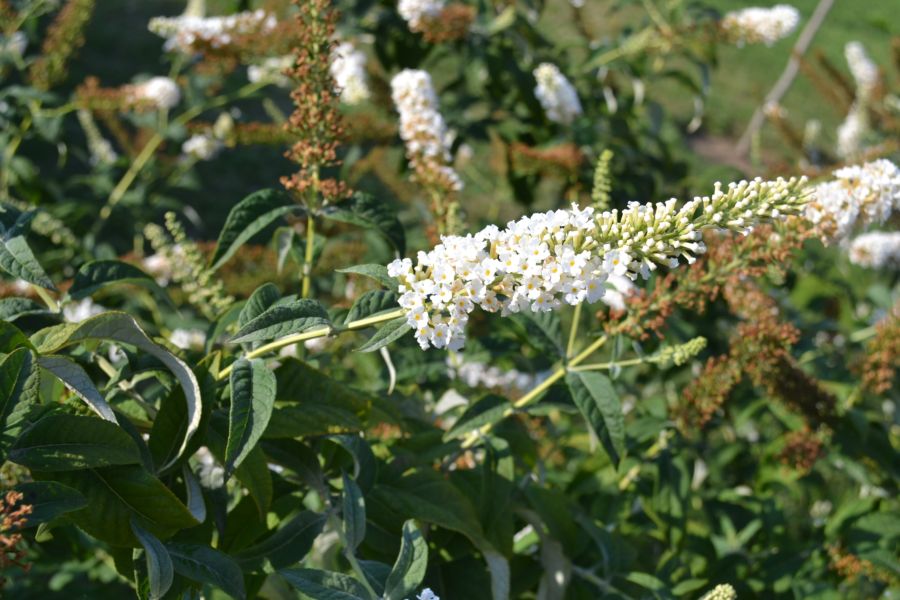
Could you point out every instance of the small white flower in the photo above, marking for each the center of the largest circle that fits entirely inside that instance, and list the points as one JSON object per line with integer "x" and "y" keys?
{"x": 188, "y": 339}
{"x": 162, "y": 92}
{"x": 201, "y": 146}
{"x": 876, "y": 250}
{"x": 76, "y": 312}
{"x": 418, "y": 12}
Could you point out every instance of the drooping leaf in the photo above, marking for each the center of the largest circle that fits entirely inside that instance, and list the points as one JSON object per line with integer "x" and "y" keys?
{"x": 17, "y": 259}
{"x": 48, "y": 500}
{"x": 98, "y": 274}
{"x": 353, "y": 514}
{"x": 206, "y": 565}
{"x": 68, "y": 442}
{"x": 325, "y": 585}
{"x": 159, "y": 566}
{"x": 597, "y": 400}
{"x": 412, "y": 562}
{"x": 120, "y": 327}
{"x": 371, "y": 303}
{"x": 365, "y": 211}
{"x": 389, "y": 332}
{"x": 248, "y": 217}
{"x": 252, "y": 399}
{"x": 115, "y": 495}
{"x": 285, "y": 546}
{"x": 377, "y": 272}
{"x": 76, "y": 379}
{"x": 282, "y": 320}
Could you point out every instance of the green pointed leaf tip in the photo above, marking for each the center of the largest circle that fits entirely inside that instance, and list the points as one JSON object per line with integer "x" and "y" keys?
{"x": 282, "y": 320}
{"x": 365, "y": 211}
{"x": 159, "y": 566}
{"x": 371, "y": 303}
{"x": 377, "y": 272}
{"x": 412, "y": 562}
{"x": 259, "y": 301}
{"x": 253, "y": 388}
{"x": 17, "y": 259}
{"x": 596, "y": 398}
{"x": 248, "y": 217}
{"x": 389, "y": 332}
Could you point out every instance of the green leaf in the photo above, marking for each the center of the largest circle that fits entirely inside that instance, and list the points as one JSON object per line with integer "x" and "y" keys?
{"x": 194, "y": 493}
{"x": 115, "y": 495}
{"x": 48, "y": 500}
{"x": 325, "y": 585}
{"x": 13, "y": 308}
{"x": 67, "y": 442}
{"x": 365, "y": 211}
{"x": 389, "y": 332}
{"x": 543, "y": 330}
{"x": 646, "y": 580}
{"x": 205, "y": 565}
{"x": 259, "y": 301}
{"x": 16, "y": 369}
{"x": 488, "y": 410}
{"x": 11, "y": 337}
{"x": 120, "y": 327}
{"x": 286, "y": 546}
{"x": 159, "y": 565}
{"x": 371, "y": 303}
{"x": 252, "y": 398}
{"x": 597, "y": 400}
{"x": 354, "y": 514}
{"x": 76, "y": 379}
{"x": 99, "y": 274}
{"x": 253, "y": 473}
{"x": 688, "y": 585}
{"x": 17, "y": 259}
{"x": 248, "y": 217}
{"x": 377, "y": 272}
{"x": 282, "y": 320}
{"x": 412, "y": 562}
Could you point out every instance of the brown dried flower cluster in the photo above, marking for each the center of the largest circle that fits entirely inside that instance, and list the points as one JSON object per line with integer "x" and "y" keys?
{"x": 561, "y": 160}
{"x": 63, "y": 38}
{"x": 851, "y": 567}
{"x": 92, "y": 96}
{"x": 879, "y": 369}
{"x": 316, "y": 121}
{"x": 451, "y": 24}
{"x": 14, "y": 516}
{"x": 802, "y": 448}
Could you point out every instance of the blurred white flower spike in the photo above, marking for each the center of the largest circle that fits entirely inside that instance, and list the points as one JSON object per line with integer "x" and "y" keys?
{"x": 757, "y": 25}
{"x": 556, "y": 94}
{"x": 186, "y": 33}
{"x": 349, "y": 71}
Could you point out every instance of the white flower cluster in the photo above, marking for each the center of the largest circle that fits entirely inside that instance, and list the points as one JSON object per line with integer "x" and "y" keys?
{"x": 851, "y": 132}
{"x": 422, "y": 128}
{"x": 210, "y": 472}
{"x": 427, "y": 594}
{"x": 184, "y": 32}
{"x": 478, "y": 374}
{"x": 723, "y": 591}
{"x": 162, "y": 92}
{"x": 757, "y": 25}
{"x": 556, "y": 94}
{"x": 542, "y": 261}
{"x": 76, "y": 312}
{"x": 201, "y": 146}
{"x": 349, "y": 72}
{"x": 876, "y": 250}
{"x": 271, "y": 70}
{"x": 860, "y": 195}
{"x": 417, "y": 13}
{"x": 188, "y": 339}
{"x": 863, "y": 69}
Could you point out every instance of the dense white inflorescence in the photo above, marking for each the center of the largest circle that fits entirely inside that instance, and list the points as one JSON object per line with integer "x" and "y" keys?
{"x": 757, "y": 25}
{"x": 185, "y": 32}
{"x": 545, "y": 260}
{"x": 188, "y": 339}
{"x": 859, "y": 196}
{"x": 422, "y": 127}
{"x": 876, "y": 250}
{"x": 201, "y": 146}
{"x": 349, "y": 72}
{"x": 850, "y": 133}
{"x": 417, "y": 13}
{"x": 864, "y": 71}
{"x": 720, "y": 592}
{"x": 556, "y": 94}
{"x": 271, "y": 70}
{"x": 162, "y": 92}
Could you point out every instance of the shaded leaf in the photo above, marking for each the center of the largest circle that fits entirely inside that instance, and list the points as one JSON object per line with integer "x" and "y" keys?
{"x": 410, "y": 566}
{"x": 68, "y": 442}
{"x": 205, "y": 565}
{"x": 595, "y": 397}
{"x": 285, "y": 546}
{"x": 353, "y": 513}
{"x": 159, "y": 565}
{"x": 389, "y": 332}
{"x": 248, "y": 217}
{"x": 76, "y": 379}
{"x": 371, "y": 303}
{"x": 282, "y": 320}
{"x": 48, "y": 500}
{"x": 17, "y": 259}
{"x": 252, "y": 398}
{"x": 377, "y": 272}
{"x": 365, "y": 211}
{"x": 325, "y": 585}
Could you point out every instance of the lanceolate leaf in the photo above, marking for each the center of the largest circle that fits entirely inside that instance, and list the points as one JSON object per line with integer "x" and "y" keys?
{"x": 326, "y": 585}
{"x": 282, "y": 320}
{"x": 68, "y": 442}
{"x": 252, "y": 398}
{"x": 17, "y": 259}
{"x": 354, "y": 514}
{"x": 205, "y": 565}
{"x": 259, "y": 301}
{"x": 371, "y": 303}
{"x": 159, "y": 566}
{"x": 597, "y": 400}
{"x": 120, "y": 327}
{"x": 250, "y": 216}
{"x": 390, "y": 332}
{"x": 15, "y": 378}
{"x": 365, "y": 211}
{"x": 48, "y": 500}
{"x": 490, "y": 409}
{"x": 76, "y": 379}
{"x": 412, "y": 562}
{"x": 286, "y": 546}
{"x": 13, "y": 308}
{"x": 194, "y": 494}
{"x": 377, "y": 272}
{"x": 99, "y": 274}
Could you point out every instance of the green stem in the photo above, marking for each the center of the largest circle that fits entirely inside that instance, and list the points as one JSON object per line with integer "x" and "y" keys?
{"x": 308, "y": 255}
{"x": 52, "y": 304}
{"x": 315, "y": 333}
{"x": 609, "y": 365}
{"x": 10, "y": 153}
{"x": 573, "y": 331}
{"x": 357, "y": 568}
{"x": 534, "y": 394}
